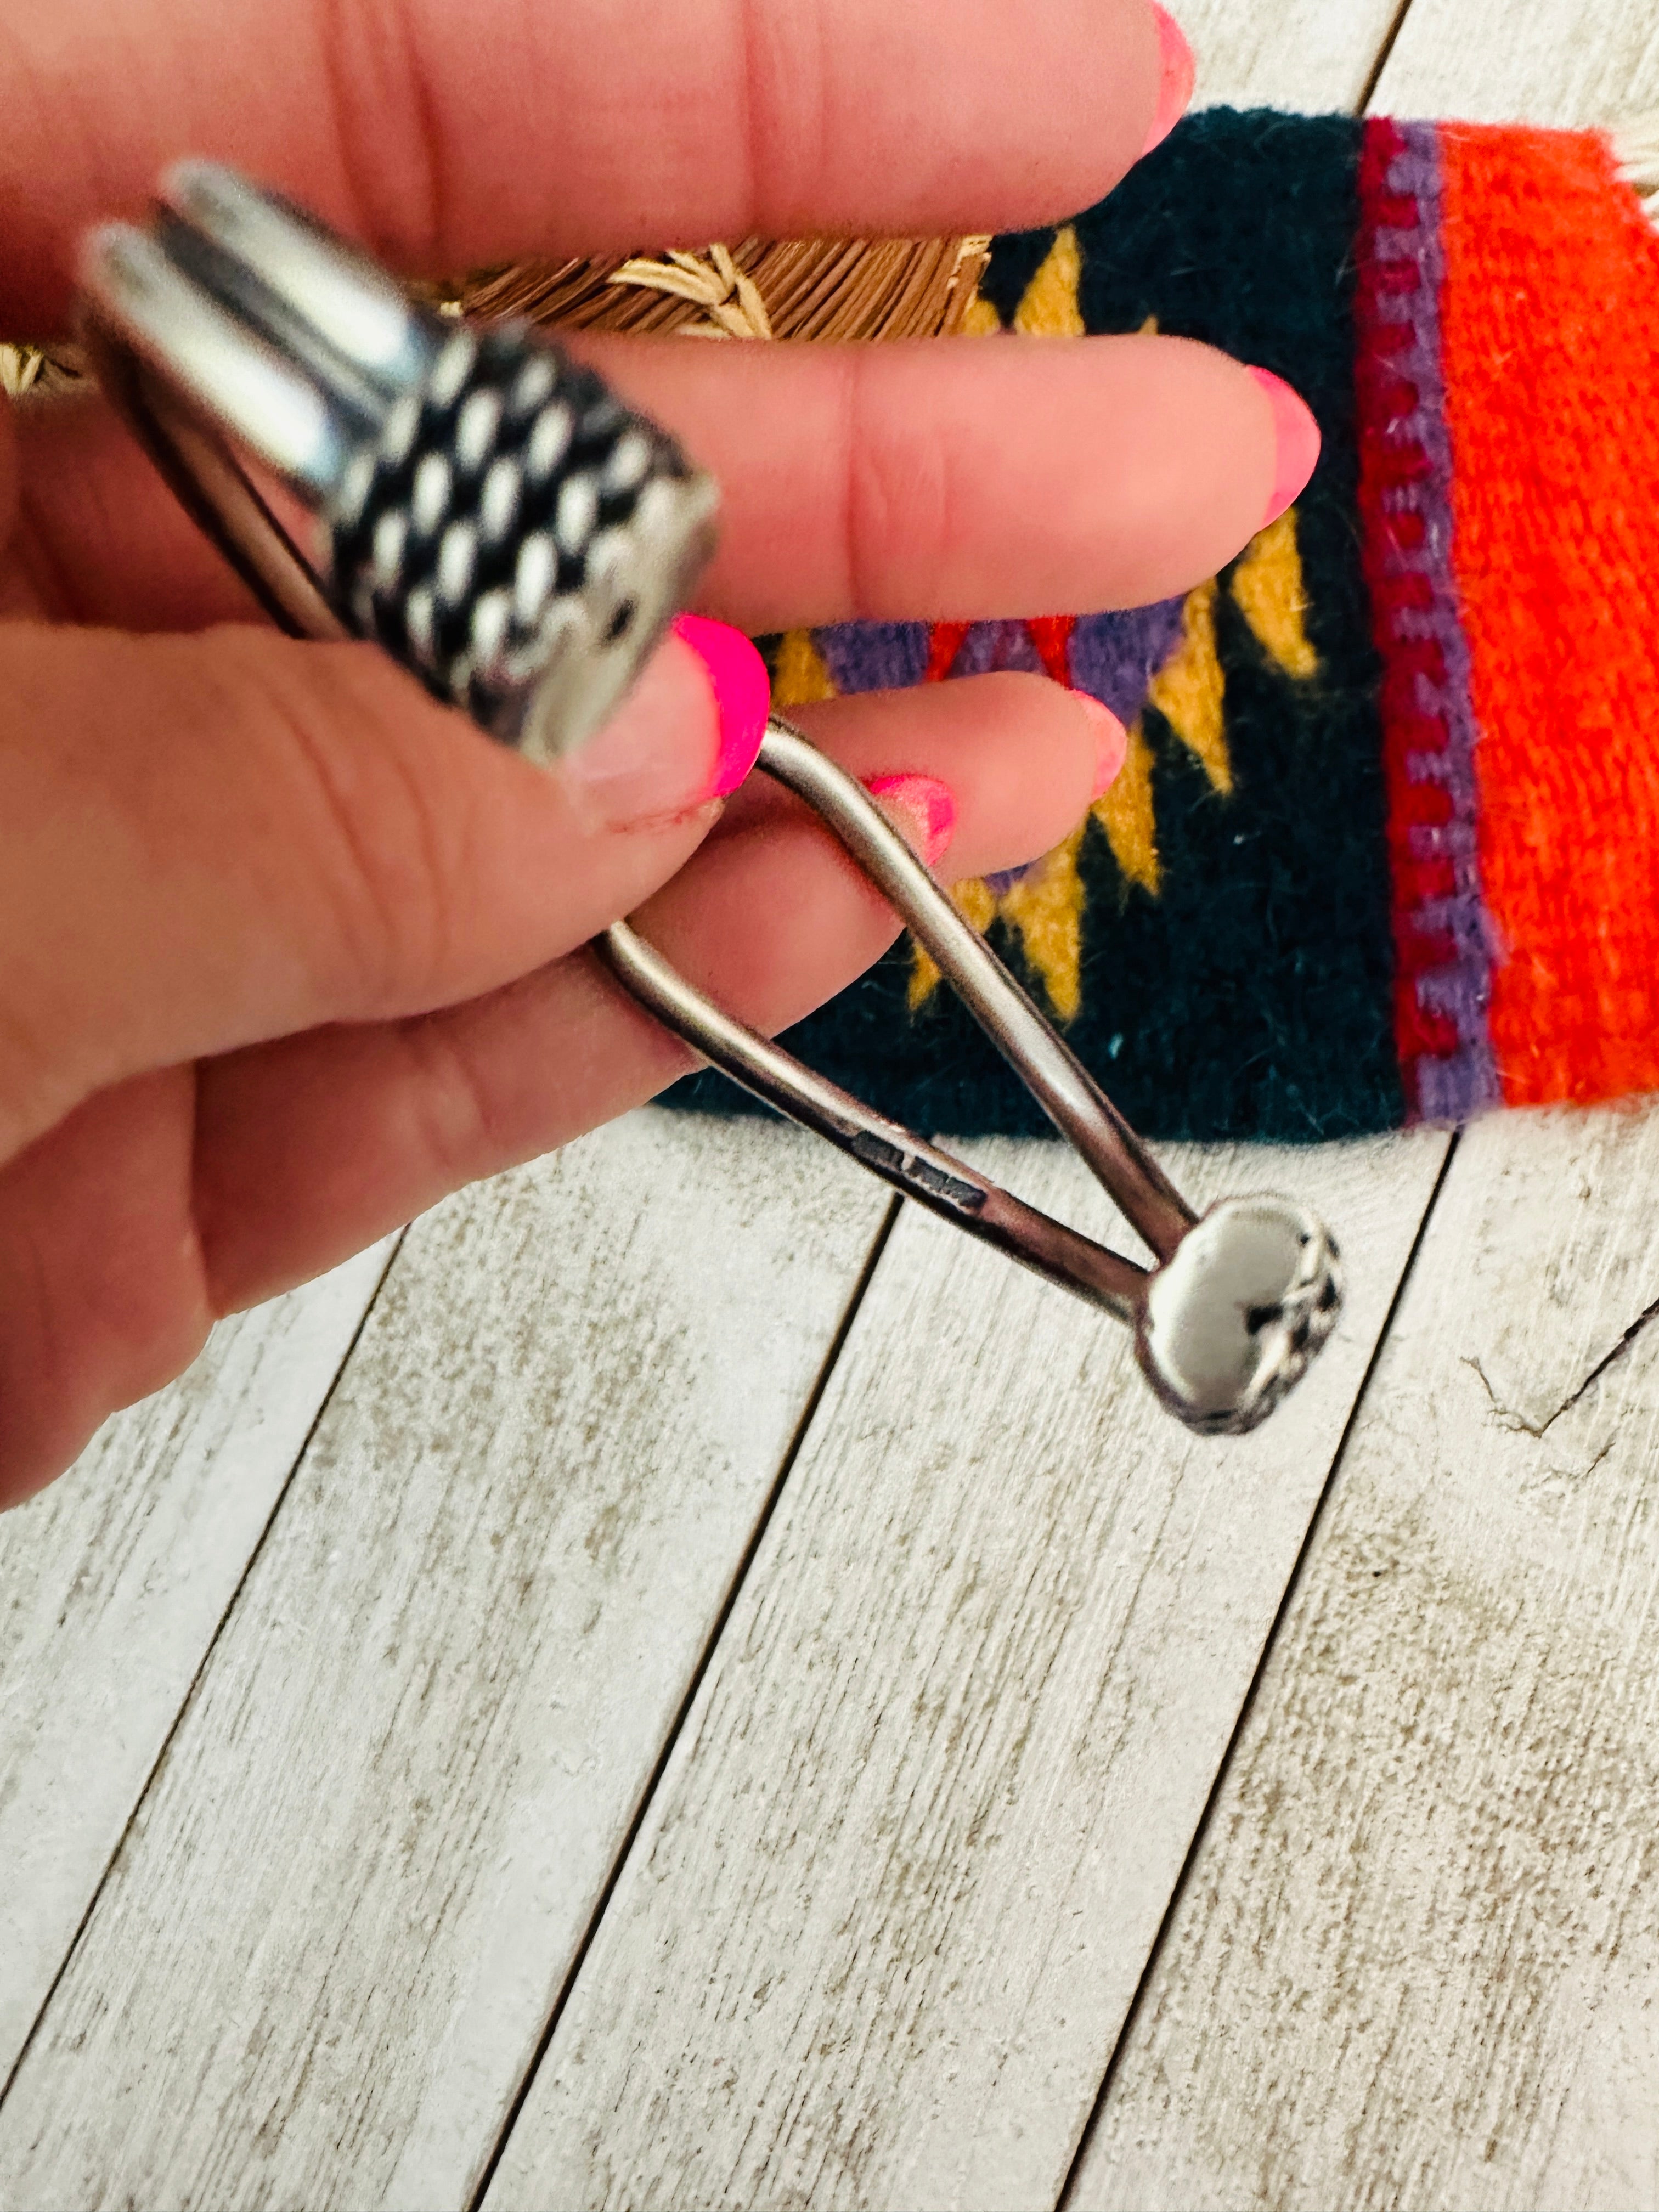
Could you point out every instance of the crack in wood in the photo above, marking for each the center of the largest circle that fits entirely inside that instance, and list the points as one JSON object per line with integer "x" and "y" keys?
{"x": 1390, "y": 39}
{"x": 1509, "y": 1417}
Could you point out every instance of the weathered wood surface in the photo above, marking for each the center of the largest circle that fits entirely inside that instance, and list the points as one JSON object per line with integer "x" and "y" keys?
{"x": 1574, "y": 64}
{"x": 1307, "y": 56}
{"x": 880, "y": 1930}
{"x": 1417, "y": 1961}
{"x": 112, "y": 1586}
{"x": 322, "y": 1961}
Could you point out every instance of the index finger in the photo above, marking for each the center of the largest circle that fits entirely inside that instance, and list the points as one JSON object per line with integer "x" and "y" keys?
{"x": 446, "y": 136}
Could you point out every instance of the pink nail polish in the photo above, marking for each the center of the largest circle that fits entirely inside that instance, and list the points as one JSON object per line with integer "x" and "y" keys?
{"x": 1177, "y": 73}
{"x": 926, "y": 807}
{"x": 1296, "y": 438}
{"x": 743, "y": 695}
{"x": 1111, "y": 741}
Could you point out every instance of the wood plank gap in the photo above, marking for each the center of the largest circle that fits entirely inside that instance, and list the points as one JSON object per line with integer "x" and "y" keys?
{"x": 841, "y": 1966}
{"x": 694, "y": 1684}
{"x": 1247, "y": 1706}
{"x": 186, "y": 1702}
{"x": 1390, "y": 38}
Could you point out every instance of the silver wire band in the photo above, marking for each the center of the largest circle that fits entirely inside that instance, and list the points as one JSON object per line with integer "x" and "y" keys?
{"x": 502, "y": 525}
{"x": 1048, "y": 1068}
{"x": 1244, "y": 1296}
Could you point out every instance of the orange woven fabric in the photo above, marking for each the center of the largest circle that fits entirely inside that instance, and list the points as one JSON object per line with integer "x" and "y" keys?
{"x": 1550, "y": 335}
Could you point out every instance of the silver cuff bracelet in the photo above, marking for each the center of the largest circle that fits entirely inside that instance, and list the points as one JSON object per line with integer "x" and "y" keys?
{"x": 516, "y": 536}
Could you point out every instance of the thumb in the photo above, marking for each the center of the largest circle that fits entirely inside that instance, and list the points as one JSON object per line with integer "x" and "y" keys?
{"x": 207, "y": 841}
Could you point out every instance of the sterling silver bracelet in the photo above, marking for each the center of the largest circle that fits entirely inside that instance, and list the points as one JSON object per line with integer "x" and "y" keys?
{"x": 494, "y": 517}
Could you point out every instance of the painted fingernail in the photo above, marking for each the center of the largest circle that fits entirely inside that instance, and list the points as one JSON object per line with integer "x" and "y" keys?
{"x": 1297, "y": 440}
{"x": 926, "y": 809}
{"x": 743, "y": 695}
{"x": 1176, "y": 73}
{"x": 1111, "y": 741}
{"x": 687, "y": 732}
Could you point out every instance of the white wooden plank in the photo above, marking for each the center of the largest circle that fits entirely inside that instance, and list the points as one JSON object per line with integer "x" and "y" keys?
{"x": 112, "y": 1585}
{"x": 1312, "y": 56}
{"x": 881, "y": 1927}
{"x": 1416, "y": 1963}
{"x": 1578, "y": 63}
{"x": 322, "y": 1960}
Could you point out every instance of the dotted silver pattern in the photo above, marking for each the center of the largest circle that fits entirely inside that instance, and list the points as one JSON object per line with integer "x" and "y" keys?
{"x": 1220, "y": 1360}
{"x": 516, "y": 536}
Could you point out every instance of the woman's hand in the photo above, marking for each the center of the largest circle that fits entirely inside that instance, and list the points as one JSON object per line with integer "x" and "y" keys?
{"x": 290, "y": 952}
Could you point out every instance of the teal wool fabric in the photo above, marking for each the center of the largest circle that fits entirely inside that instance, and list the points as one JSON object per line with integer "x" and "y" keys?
{"x": 1250, "y": 996}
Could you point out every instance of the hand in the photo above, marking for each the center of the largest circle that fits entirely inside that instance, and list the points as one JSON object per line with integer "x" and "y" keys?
{"x": 289, "y": 951}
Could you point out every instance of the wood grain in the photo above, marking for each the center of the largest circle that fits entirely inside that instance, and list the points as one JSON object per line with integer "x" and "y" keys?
{"x": 112, "y": 1585}
{"x": 1308, "y": 55}
{"x": 879, "y": 1933}
{"x": 1578, "y": 63}
{"x": 1416, "y": 1962}
{"x": 324, "y": 1957}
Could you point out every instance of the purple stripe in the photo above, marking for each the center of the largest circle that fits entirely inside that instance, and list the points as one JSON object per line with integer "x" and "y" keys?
{"x": 1463, "y": 1083}
{"x": 1115, "y": 657}
{"x": 873, "y": 656}
{"x": 991, "y": 647}
{"x": 1003, "y": 882}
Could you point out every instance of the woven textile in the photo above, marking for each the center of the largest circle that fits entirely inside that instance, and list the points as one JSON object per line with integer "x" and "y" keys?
{"x": 1387, "y": 845}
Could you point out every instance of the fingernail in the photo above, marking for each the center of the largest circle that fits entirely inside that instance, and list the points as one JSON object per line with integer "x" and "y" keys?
{"x": 1177, "y": 72}
{"x": 743, "y": 695}
{"x": 924, "y": 806}
{"x": 687, "y": 732}
{"x": 1296, "y": 439}
{"x": 1111, "y": 741}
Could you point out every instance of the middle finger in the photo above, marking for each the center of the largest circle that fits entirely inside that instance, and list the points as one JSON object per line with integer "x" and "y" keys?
{"x": 950, "y": 482}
